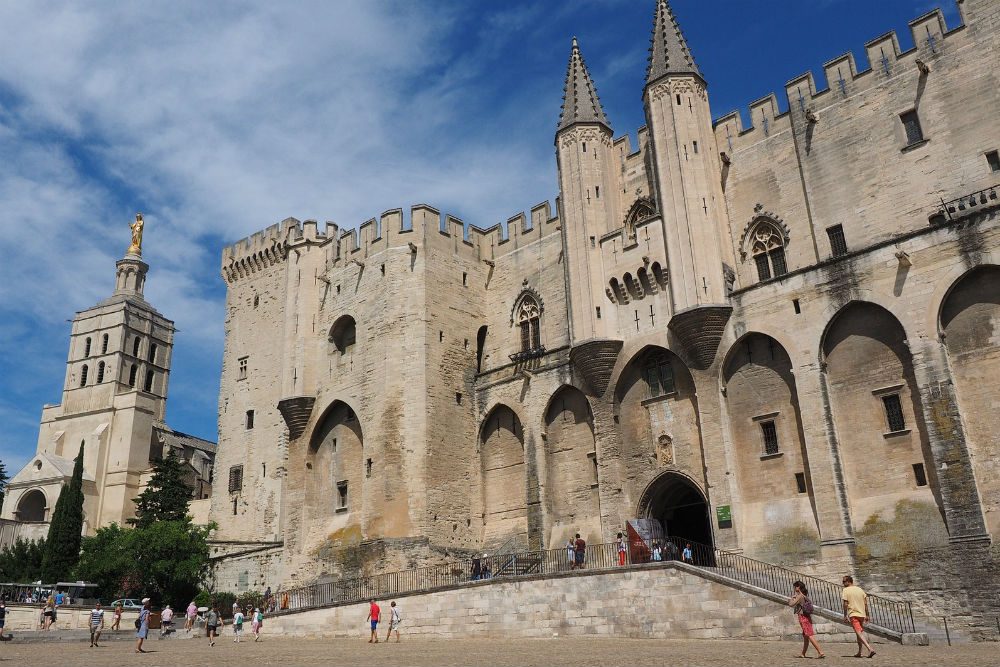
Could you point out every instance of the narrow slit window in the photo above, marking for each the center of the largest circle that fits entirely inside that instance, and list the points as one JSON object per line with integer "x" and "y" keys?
{"x": 694, "y": 144}
{"x": 86, "y": 348}
{"x": 342, "y": 495}
{"x": 800, "y": 482}
{"x": 135, "y": 346}
{"x": 83, "y": 375}
{"x": 242, "y": 365}
{"x": 235, "y": 479}
{"x": 893, "y": 413}
{"x": 993, "y": 160}
{"x": 368, "y": 468}
{"x": 465, "y": 278}
{"x": 104, "y": 344}
{"x": 131, "y": 375}
{"x": 151, "y": 357}
{"x": 919, "y": 474}
{"x": 597, "y": 191}
{"x": 770, "y": 434}
{"x": 796, "y": 306}
{"x": 249, "y": 420}
{"x": 148, "y": 386}
{"x": 100, "y": 372}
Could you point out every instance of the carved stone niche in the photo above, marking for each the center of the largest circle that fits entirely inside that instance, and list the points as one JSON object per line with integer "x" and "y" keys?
{"x": 665, "y": 450}
{"x": 296, "y": 411}
{"x": 700, "y": 331}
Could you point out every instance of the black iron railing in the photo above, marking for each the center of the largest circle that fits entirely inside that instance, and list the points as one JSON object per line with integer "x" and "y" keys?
{"x": 971, "y": 201}
{"x": 893, "y": 615}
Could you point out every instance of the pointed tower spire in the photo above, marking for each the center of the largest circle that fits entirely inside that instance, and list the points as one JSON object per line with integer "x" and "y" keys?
{"x": 668, "y": 52}
{"x": 580, "y": 101}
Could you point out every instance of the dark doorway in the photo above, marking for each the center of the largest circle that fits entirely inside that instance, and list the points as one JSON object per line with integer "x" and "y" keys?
{"x": 679, "y": 507}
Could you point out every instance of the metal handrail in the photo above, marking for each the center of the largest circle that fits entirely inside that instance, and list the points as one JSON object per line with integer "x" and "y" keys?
{"x": 969, "y": 201}
{"x": 894, "y": 615}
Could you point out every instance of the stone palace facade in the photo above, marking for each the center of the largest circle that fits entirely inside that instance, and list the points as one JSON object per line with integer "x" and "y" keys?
{"x": 782, "y": 338}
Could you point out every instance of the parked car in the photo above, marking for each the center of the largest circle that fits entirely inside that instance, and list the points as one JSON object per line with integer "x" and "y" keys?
{"x": 127, "y": 603}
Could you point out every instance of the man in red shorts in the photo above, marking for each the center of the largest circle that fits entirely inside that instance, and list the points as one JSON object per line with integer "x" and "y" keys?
{"x": 856, "y": 613}
{"x": 373, "y": 615}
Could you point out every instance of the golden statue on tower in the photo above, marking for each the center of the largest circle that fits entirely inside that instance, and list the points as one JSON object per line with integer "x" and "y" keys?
{"x": 136, "y": 247}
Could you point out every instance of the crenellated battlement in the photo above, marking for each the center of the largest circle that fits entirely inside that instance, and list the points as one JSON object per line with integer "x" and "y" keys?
{"x": 270, "y": 246}
{"x": 886, "y": 60}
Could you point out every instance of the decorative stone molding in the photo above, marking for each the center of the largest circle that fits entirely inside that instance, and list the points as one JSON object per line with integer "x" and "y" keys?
{"x": 595, "y": 359}
{"x": 526, "y": 292}
{"x": 585, "y": 133}
{"x": 296, "y": 412}
{"x": 761, "y": 216}
{"x": 700, "y": 331}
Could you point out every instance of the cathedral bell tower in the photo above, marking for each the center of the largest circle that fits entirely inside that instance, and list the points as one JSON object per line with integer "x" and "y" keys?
{"x": 688, "y": 182}
{"x": 589, "y": 200}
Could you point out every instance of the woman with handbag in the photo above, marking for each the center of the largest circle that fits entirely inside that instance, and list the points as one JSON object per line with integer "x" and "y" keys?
{"x": 142, "y": 626}
{"x": 803, "y": 608}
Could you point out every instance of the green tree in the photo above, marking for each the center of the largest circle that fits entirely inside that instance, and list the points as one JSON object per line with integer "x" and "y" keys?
{"x": 166, "y": 561}
{"x": 4, "y": 478}
{"x": 21, "y": 562}
{"x": 62, "y": 548}
{"x": 167, "y": 495}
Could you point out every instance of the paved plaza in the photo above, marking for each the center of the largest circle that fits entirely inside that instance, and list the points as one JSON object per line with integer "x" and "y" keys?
{"x": 541, "y": 652}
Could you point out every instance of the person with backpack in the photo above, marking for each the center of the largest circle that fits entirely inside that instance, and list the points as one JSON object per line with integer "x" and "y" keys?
{"x": 803, "y": 608}
{"x": 142, "y": 626}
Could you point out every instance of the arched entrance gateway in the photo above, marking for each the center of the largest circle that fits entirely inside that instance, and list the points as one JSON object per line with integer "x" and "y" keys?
{"x": 680, "y": 507}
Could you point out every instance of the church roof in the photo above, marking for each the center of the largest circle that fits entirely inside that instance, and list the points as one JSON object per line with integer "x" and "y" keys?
{"x": 176, "y": 439}
{"x": 580, "y": 101}
{"x": 44, "y": 466}
{"x": 668, "y": 52}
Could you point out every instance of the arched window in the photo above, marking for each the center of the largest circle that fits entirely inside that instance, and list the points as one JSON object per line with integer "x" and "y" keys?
{"x": 100, "y": 372}
{"x": 632, "y": 286}
{"x": 86, "y": 348}
{"x": 647, "y": 286}
{"x": 104, "y": 344}
{"x": 528, "y": 322}
{"x": 658, "y": 275}
{"x": 83, "y": 374}
{"x": 131, "y": 375}
{"x": 149, "y": 381}
{"x": 767, "y": 245}
{"x": 480, "y": 347}
{"x": 343, "y": 334}
{"x": 135, "y": 346}
{"x": 151, "y": 357}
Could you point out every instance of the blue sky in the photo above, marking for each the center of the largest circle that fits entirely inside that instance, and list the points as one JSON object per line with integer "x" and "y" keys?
{"x": 218, "y": 119}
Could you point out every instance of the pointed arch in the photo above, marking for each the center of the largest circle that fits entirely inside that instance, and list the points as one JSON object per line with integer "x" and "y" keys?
{"x": 504, "y": 475}
{"x": 526, "y": 315}
{"x": 334, "y": 463}
{"x": 642, "y": 209}
{"x": 343, "y": 334}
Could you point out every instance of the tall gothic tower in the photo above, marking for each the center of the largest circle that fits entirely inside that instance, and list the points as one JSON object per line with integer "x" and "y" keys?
{"x": 113, "y": 404}
{"x": 589, "y": 200}
{"x": 688, "y": 181}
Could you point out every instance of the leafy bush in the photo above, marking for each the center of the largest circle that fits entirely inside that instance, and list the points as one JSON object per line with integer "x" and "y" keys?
{"x": 21, "y": 562}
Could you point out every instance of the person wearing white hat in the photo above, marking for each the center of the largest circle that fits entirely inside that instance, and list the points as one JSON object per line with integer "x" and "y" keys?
{"x": 166, "y": 621}
{"x": 142, "y": 626}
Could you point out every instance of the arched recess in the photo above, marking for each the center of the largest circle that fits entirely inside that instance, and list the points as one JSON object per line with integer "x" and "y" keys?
{"x": 772, "y": 465}
{"x": 31, "y": 506}
{"x": 657, "y": 418}
{"x": 876, "y": 410}
{"x": 504, "y": 492}
{"x": 334, "y": 467}
{"x": 343, "y": 334}
{"x": 970, "y": 324}
{"x": 679, "y": 505}
{"x": 571, "y": 493}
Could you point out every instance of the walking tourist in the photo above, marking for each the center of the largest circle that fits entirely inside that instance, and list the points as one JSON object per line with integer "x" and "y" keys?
{"x": 622, "y": 550}
{"x": 395, "y": 618}
{"x": 60, "y": 598}
{"x": 657, "y": 553}
{"x": 671, "y": 550}
{"x": 96, "y": 624}
{"x": 373, "y": 615}
{"x": 238, "y": 624}
{"x": 189, "y": 615}
{"x": 570, "y": 554}
{"x": 477, "y": 569}
{"x": 48, "y": 613}
{"x": 166, "y": 621}
{"x": 3, "y": 616}
{"x": 579, "y": 552}
{"x": 803, "y": 608}
{"x": 257, "y": 623}
{"x": 212, "y": 622}
{"x": 856, "y": 613}
{"x": 142, "y": 626}
{"x": 267, "y": 598}
{"x": 687, "y": 555}
{"x": 116, "y": 617}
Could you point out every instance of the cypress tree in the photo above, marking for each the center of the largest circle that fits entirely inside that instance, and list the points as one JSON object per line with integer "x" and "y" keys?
{"x": 4, "y": 478}
{"x": 167, "y": 495}
{"x": 62, "y": 547}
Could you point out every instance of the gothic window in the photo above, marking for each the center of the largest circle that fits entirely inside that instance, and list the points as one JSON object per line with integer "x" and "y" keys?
{"x": 659, "y": 375}
{"x": 343, "y": 334}
{"x": 642, "y": 209}
{"x": 767, "y": 245}
{"x": 86, "y": 348}
{"x": 135, "y": 346}
{"x": 528, "y": 322}
{"x": 104, "y": 344}
{"x": 100, "y": 372}
{"x": 83, "y": 374}
{"x": 131, "y": 375}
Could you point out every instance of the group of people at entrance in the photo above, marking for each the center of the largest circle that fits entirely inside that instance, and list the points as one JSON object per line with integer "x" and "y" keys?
{"x": 855, "y": 604}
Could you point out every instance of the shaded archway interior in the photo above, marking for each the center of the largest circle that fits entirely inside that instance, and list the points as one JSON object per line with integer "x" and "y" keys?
{"x": 679, "y": 507}
{"x": 31, "y": 506}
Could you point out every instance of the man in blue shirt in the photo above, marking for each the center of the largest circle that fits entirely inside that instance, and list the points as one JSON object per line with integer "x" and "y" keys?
{"x": 60, "y": 598}
{"x": 686, "y": 555}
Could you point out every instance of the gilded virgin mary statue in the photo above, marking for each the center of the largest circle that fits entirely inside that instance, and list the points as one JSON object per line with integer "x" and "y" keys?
{"x": 136, "y": 247}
